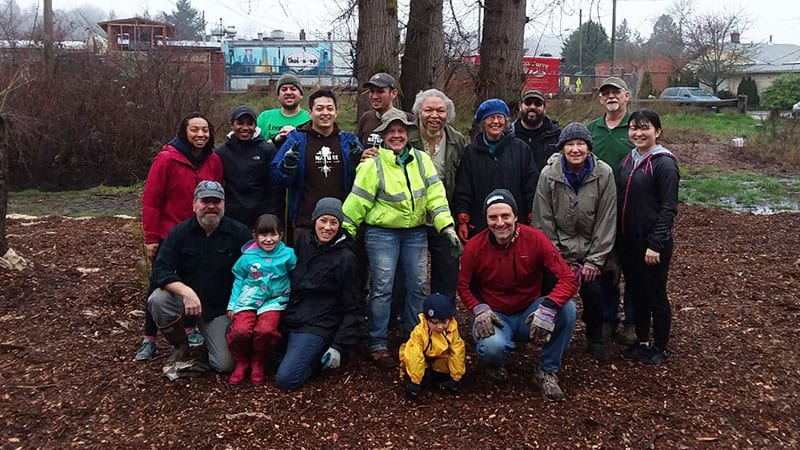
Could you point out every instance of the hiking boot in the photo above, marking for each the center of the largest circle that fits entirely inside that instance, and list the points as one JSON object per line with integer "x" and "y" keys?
{"x": 609, "y": 331}
{"x": 599, "y": 351}
{"x": 195, "y": 338}
{"x": 628, "y": 335}
{"x": 176, "y": 336}
{"x": 147, "y": 350}
{"x": 655, "y": 357}
{"x": 382, "y": 359}
{"x": 548, "y": 382}
{"x": 497, "y": 374}
{"x": 635, "y": 352}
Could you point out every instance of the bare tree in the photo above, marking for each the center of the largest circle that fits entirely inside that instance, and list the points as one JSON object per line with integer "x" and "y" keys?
{"x": 501, "y": 74}
{"x": 424, "y": 58}
{"x": 376, "y": 42}
{"x": 712, "y": 44}
{"x": 10, "y": 81}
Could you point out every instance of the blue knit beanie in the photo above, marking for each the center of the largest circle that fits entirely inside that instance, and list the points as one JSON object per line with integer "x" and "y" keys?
{"x": 489, "y": 107}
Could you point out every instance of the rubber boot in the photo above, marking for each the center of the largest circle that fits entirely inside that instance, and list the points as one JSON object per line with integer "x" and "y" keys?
{"x": 263, "y": 346}
{"x": 176, "y": 336}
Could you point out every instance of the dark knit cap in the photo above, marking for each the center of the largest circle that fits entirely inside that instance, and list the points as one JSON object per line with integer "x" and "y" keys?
{"x": 572, "y": 131}
{"x": 290, "y": 78}
{"x": 500, "y": 196}
{"x": 328, "y": 206}
{"x": 438, "y": 306}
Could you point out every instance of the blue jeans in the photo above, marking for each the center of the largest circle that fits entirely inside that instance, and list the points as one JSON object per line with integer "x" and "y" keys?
{"x": 444, "y": 267}
{"x": 493, "y": 350}
{"x": 302, "y": 359}
{"x": 387, "y": 249}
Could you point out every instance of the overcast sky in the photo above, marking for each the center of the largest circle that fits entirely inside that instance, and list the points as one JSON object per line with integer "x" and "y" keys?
{"x": 551, "y": 24}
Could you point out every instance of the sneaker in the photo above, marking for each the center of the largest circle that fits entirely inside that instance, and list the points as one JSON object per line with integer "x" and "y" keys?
{"x": 382, "y": 359}
{"x": 635, "y": 352}
{"x": 655, "y": 357}
{"x": 497, "y": 374}
{"x": 195, "y": 338}
{"x": 548, "y": 382}
{"x": 599, "y": 351}
{"x": 628, "y": 335}
{"x": 147, "y": 350}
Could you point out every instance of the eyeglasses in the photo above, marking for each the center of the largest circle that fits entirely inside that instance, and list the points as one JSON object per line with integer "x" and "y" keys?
{"x": 533, "y": 101}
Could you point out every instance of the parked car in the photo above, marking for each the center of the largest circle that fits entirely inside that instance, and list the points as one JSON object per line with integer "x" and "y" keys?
{"x": 796, "y": 110}
{"x": 688, "y": 94}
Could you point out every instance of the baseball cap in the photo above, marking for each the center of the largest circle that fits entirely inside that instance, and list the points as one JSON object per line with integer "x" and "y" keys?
{"x": 242, "y": 110}
{"x": 209, "y": 189}
{"x": 438, "y": 306}
{"x": 392, "y": 115}
{"x": 533, "y": 93}
{"x": 616, "y": 82}
{"x": 381, "y": 80}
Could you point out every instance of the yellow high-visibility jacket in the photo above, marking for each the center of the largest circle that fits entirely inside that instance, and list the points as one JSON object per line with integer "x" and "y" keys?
{"x": 389, "y": 195}
{"x": 442, "y": 352}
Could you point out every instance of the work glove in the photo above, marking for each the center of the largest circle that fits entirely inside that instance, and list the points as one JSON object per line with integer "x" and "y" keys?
{"x": 451, "y": 386}
{"x": 355, "y": 154}
{"x": 413, "y": 390}
{"x": 184, "y": 369}
{"x": 485, "y": 320}
{"x": 577, "y": 269}
{"x": 464, "y": 227}
{"x": 589, "y": 273}
{"x": 292, "y": 156}
{"x": 452, "y": 238}
{"x": 331, "y": 359}
{"x": 544, "y": 318}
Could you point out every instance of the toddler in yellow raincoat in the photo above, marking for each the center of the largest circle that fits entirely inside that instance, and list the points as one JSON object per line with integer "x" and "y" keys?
{"x": 434, "y": 343}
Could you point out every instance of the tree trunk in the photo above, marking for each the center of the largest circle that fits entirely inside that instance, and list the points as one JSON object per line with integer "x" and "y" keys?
{"x": 3, "y": 183}
{"x": 500, "y": 74}
{"x": 376, "y": 42}
{"x": 423, "y": 59}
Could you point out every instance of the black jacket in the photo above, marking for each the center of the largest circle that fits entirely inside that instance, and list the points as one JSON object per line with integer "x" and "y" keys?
{"x": 201, "y": 262}
{"x": 326, "y": 292}
{"x": 542, "y": 141}
{"x": 647, "y": 199}
{"x": 249, "y": 190}
{"x": 511, "y": 167}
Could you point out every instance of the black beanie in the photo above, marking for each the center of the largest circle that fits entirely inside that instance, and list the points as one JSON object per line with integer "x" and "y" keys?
{"x": 500, "y": 196}
{"x": 572, "y": 131}
{"x": 330, "y": 206}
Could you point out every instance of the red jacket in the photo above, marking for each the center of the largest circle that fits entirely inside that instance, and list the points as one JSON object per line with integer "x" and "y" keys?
{"x": 169, "y": 190}
{"x": 510, "y": 279}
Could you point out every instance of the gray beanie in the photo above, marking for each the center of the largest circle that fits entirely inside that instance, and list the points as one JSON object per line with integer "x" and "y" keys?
{"x": 500, "y": 196}
{"x": 572, "y": 131}
{"x": 290, "y": 78}
{"x": 330, "y": 206}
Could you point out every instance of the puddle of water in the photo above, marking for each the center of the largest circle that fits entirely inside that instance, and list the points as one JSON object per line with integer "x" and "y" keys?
{"x": 784, "y": 205}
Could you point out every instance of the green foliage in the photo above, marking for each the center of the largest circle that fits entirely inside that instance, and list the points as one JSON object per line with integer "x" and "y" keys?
{"x": 748, "y": 87}
{"x": 777, "y": 142}
{"x": 684, "y": 78}
{"x": 706, "y": 185}
{"x": 665, "y": 40}
{"x": 725, "y": 94}
{"x": 723, "y": 125}
{"x": 783, "y": 92}
{"x": 596, "y": 48}
{"x": 188, "y": 21}
{"x": 646, "y": 89}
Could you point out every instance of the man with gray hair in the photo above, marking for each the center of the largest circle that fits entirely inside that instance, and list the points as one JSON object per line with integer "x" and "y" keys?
{"x": 434, "y": 134}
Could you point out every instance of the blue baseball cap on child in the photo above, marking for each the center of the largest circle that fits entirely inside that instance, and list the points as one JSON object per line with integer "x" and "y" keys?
{"x": 438, "y": 306}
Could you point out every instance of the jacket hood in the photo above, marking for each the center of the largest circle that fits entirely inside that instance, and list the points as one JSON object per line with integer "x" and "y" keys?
{"x": 186, "y": 149}
{"x": 252, "y": 247}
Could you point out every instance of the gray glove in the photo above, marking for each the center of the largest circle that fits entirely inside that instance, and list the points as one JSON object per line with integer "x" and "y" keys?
{"x": 184, "y": 369}
{"x": 455, "y": 243}
{"x": 291, "y": 157}
{"x": 485, "y": 320}
{"x": 544, "y": 318}
{"x": 331, "y": 359}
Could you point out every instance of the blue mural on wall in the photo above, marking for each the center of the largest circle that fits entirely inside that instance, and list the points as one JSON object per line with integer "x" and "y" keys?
{"x": 269, "y": 57}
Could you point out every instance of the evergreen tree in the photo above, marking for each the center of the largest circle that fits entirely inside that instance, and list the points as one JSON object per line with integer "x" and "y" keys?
{"x": 748, "y": 87}
{"x": 596, "y": 48}
{"x": 646, "y": 89}
{"x": 189, "y": 23}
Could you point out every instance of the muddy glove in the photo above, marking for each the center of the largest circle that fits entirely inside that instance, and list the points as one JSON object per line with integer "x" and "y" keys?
{"x": 452, "y": 238}
{"x": 413, "y": 390}
{"x": 464, "y": 227}
{"x": 184, "y": 369}
{"x": 485, "y": 320}
{"x": 452, "y": 386}
{"x": 331, "y": 359}
{"x": 543, "y": 318}
{"x": 291, "y": 157}
{"x": 355, "y": 154}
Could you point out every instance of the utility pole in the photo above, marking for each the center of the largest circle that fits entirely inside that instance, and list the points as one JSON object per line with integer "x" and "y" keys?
{"x": 48, "y": 28}
{"x": 580, "y": 41}
{"x": 613, "y": 33}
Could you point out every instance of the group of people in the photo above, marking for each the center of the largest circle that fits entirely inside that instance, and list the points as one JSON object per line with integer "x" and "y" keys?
{"x": 261, "y": 248}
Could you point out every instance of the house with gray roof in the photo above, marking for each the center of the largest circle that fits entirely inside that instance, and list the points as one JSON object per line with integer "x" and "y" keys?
{"x": 766, "y": 62}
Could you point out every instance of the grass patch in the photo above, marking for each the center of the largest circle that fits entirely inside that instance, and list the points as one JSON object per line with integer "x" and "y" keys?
{"x": 722, "y": 125}
{"x": 708, "y": 186}
{"x": 94, "y": 202}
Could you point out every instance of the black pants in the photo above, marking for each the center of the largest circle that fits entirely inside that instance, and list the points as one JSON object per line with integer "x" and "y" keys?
{"x": 444, "y": 267}
{"x": 592, "y": 315}
{"x": 648, "y": 289}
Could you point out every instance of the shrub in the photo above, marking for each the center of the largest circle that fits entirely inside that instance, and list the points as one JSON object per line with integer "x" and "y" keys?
{"x": 646, "y": 89}
{"x": 748, "y": 87}
{"x": 783, "y": 92}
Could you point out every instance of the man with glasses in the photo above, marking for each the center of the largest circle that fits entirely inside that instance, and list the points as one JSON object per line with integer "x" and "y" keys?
{"x": 611, "y": 144}
{"x": 535, "y": 128}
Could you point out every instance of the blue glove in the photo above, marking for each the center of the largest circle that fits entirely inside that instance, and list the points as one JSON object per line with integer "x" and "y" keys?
{"x": 331, "y": 359}
{"x": 544, "y": 318}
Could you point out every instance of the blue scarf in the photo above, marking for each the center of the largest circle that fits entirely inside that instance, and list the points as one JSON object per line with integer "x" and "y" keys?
{"x": 576, "y": 179}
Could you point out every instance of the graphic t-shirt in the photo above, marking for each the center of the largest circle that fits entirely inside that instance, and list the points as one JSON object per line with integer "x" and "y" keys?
{"x": 324, "y": 173}
{"x": 272, "y": 120}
